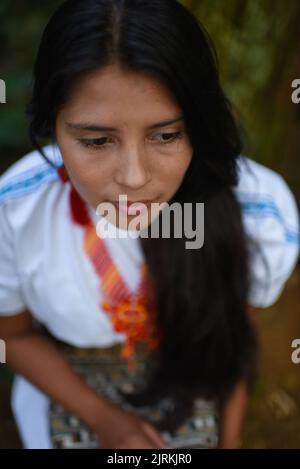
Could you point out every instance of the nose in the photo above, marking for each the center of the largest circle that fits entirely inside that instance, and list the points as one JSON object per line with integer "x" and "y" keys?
{"x": 133, "y": 171}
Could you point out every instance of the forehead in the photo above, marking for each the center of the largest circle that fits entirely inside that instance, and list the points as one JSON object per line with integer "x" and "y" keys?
{"x": 115, "y": 93}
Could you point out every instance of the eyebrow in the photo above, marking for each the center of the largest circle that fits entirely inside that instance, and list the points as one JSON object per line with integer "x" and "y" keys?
{"x": 96, "y": 128}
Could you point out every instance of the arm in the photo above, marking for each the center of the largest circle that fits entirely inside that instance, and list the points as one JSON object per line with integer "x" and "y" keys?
{"x": 233, "y": 413}
{"x": 41, "y": 362}
{"x": 232, "y": 418}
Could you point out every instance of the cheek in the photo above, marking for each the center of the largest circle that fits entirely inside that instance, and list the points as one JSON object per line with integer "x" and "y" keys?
{"x": 171, "y": 170}
{"x": 82, "y": 164}
{"x": 89, "y": 176}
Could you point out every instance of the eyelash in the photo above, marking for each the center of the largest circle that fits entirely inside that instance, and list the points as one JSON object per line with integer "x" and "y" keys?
{"x": 91, "y": 143}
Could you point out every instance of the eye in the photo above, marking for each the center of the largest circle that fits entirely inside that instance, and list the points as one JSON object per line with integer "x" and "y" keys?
{"x": 95, "y": 143}
{"x": 168, "y": 137}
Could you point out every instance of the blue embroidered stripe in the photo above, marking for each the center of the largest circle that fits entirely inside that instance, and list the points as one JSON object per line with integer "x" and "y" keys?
{"x": 265, "y": 208}
{"x": 28, "y": 185}
{"x": 11, "y": 179}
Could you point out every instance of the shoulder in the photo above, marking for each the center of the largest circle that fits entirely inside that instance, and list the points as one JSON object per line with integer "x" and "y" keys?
{"x": 259, "y": 182}
{"x": 271, "y": 220}
{"x": 27, "y": 188}
{"x": 28, "y": 174}
{"x": 264, "y": 194}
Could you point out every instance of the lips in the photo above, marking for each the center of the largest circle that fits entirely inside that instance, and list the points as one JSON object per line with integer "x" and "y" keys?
{"x": 132, "y": 207}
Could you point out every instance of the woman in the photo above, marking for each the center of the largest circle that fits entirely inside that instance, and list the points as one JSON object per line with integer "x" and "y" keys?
{"x": 135, "y": 342}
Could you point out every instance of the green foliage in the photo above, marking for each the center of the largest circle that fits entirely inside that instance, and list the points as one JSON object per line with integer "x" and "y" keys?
{"x": 21, "y": 26}
{"x": 256, "y": 42}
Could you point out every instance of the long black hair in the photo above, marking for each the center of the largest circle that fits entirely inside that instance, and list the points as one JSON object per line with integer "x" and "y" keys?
{"x": 208, "y": 343}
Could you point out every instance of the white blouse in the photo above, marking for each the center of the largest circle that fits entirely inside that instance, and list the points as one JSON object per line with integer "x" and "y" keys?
{"x": 44, "y": 268}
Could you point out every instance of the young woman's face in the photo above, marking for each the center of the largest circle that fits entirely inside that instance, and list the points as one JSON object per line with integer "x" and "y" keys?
{"x": 123, "y": 133}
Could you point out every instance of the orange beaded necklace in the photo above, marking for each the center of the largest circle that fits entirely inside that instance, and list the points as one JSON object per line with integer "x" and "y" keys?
{"x": 131, "y": 314}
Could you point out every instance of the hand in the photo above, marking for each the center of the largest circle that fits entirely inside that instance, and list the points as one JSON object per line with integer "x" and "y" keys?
{"x": 120, "y": 429}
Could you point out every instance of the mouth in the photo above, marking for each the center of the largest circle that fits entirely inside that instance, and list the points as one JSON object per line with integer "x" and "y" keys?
{"x": 131, "y": 207}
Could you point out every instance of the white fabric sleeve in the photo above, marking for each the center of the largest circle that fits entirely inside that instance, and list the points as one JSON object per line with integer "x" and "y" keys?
{"x": 271, "y": 220}
{"x": 11, "y": 301}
